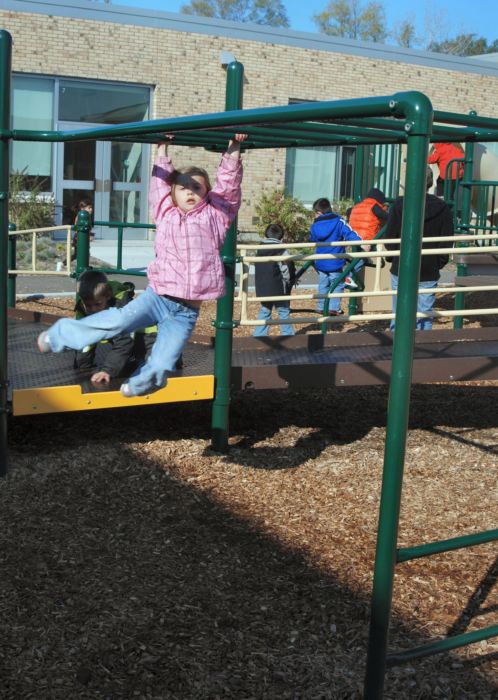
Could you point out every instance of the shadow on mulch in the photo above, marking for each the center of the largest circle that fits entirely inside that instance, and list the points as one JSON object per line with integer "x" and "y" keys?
{"x": 338, "y": 416}
{"x": 120, "y": 582}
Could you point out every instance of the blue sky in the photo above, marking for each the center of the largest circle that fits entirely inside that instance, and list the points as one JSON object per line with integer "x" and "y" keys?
{"x": 448, "y": 17}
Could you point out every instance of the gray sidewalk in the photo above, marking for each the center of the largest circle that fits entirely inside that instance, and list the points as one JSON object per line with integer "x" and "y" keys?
{"x": 136, "y": 256}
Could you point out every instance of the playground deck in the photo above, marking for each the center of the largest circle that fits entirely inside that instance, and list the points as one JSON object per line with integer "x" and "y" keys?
{"x": 49, "y": 384}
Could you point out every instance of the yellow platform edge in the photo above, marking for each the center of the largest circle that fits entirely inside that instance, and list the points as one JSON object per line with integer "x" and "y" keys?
{"x": 61, "y": 399}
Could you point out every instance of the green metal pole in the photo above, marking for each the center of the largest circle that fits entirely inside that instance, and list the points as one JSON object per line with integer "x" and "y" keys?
{"x": 357, "y": 197}
{"x": 399, "y": 397}
{"x": 468, "y": 169}
{"x": 5, "y": 78}
{"x": 119, "y": 262}
{"x": 11, "y": 264}
{"x": 83, "y": 243}
{"x": 224, "y": 312}
{"x": 358, "y": 173}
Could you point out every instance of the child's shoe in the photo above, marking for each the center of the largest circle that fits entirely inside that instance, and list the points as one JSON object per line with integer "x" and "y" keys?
{"x": 349, "y": 283}
{"x": 43, "y": 342}
{"x": 125, "y": 389}
{"x": 333, "y": 312}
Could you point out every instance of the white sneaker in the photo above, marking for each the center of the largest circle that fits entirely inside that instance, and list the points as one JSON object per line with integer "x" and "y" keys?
{"x": 43, "y": 342}
{"x": 350, "y": 283}
{"x": 126, "y": 391}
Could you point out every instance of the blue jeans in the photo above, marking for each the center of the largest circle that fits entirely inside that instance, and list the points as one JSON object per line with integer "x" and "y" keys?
{"x": 326, "y": 279}
{"x": 283, "y": 310}
{"x": 425, "y": 303}
{"x": 175, "y": 323}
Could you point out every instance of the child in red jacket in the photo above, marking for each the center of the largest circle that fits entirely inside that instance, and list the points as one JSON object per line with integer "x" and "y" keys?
{"x": 441, "y": 154}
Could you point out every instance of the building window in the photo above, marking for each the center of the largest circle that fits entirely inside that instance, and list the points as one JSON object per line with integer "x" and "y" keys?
{"x": 311, "y": 173}
{"x": 102, "y": 103}
{"x": 33, "y": 108}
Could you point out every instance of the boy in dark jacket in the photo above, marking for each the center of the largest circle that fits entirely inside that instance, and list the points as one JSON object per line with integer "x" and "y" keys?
{"x": 110, "y": 358}
{"x": 327, "y": 228}
{"x": 438, "y": 221}
{"x": 274, "y": 279}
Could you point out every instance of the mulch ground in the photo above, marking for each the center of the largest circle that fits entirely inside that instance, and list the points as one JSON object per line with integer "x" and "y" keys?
{"x": 138, "y": 563}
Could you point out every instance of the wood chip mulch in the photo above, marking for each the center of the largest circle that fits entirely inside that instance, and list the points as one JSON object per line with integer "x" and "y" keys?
{"x": 138, "y": 563}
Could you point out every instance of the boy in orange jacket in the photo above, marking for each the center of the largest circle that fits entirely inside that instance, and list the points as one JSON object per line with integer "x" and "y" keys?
{"x": 367, "y": 218}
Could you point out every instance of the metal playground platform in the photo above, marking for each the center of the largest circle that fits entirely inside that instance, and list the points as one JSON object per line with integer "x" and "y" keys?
{"x": 49, "y": 384}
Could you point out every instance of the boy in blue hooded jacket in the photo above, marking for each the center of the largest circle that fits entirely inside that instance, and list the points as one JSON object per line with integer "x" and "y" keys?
{"x": 327, "y": 228}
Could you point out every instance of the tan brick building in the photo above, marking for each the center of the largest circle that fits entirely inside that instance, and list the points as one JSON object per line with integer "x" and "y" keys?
{"x": 98, "y": 63}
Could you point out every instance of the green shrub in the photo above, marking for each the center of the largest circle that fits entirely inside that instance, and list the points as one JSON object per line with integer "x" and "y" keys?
{"x": 341, "y": 206}
{"x": 27, "y": 208}
{"x": 277, "y": 207}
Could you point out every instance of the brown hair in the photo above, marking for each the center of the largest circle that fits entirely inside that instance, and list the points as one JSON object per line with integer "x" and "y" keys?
{"x": 189, "y": 170}
{"x": 93, "y": 285}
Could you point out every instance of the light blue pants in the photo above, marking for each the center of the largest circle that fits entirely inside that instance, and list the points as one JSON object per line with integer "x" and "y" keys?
{"x": 175, "y": 323}
{"x": 326, "y": 279}
{"x": 283, "y": 311}
{"x": 425, "y": 303}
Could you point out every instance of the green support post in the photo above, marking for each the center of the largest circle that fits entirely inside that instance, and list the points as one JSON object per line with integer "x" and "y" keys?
{"x": 119, "y": 261}
{"x": 358, "y": 174}
{"x": 11, "y": 264}
{"x": 224, "y": 312}
{"x": 418, "y": 125}
{"x": 465, "y": 223}
{"x": 83, "y": 244}
{"x": 5, "y": 91}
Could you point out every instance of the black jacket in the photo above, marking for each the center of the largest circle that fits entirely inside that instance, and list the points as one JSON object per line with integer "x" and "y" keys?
{"x": 273, "y": 279}
{"x": 438, "y": 221}
{"x": 114, "y": 356}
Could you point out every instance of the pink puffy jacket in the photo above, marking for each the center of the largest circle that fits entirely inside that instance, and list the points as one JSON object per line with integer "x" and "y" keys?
{"x": 187, "y": 245}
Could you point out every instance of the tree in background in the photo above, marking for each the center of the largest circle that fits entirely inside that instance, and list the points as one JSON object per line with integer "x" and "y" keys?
{"x": 267, "y": 12}
{"x": 354, "y": 20}
{"x": 405, "y": 34}
{"x": 464, "y": 45}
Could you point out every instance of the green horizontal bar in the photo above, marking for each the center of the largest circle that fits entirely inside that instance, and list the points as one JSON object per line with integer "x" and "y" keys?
{"x": 488, "y": 183}
{"x": 425, "y": 550}
{"x": 340, "y": 130}
{"x": 440, "y": 132}
{"x": 465, "y": 120}
{"x": 394, "y": 105}
{"x": 122, "y": 224}
{"x": 133, "y": 272}
{"x": 460, "y": 640}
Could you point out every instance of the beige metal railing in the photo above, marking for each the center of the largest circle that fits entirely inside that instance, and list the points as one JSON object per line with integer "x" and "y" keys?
{"x": 247, "y": 259}
{"x": 62, "y": 266}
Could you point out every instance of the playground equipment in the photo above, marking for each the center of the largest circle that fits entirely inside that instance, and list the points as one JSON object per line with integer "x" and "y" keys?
{"x": 395, "y": 119}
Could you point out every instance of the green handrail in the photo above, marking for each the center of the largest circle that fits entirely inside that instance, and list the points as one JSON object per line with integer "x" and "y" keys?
{"x": 12, "y": 265}
{"x": 464, "y": 225}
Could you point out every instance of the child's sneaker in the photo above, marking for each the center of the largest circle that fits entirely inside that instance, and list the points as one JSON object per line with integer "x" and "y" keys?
{"x": 43, "y": 342}
{"x": 333, "y": 312}
{"x": 349, "y": 283}
{"x": 126, "y": 391}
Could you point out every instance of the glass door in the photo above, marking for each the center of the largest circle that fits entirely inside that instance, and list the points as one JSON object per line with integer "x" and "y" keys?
{"x": 123, "y": 197}
{"x": 112, "y": 175}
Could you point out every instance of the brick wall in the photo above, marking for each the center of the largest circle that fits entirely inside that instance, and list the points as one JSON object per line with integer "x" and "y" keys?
{"x": 185, "y": 72}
